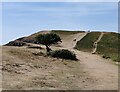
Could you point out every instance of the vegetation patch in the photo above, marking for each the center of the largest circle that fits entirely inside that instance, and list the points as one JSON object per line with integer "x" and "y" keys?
{"x": 48, "y": 39}
{"x": 108, "y": 46}
{"x": 86, "y": 44}
{"x": 64, "y": 54}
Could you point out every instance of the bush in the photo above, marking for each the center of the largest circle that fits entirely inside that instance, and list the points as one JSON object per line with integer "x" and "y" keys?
{"x": 64, "y": 54}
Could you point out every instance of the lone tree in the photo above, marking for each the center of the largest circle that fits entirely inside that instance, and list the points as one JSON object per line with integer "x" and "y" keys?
{"x": 48, "y": 39}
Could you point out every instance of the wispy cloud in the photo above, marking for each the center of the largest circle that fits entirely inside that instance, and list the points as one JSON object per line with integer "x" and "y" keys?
{"x": 80, "y": 9}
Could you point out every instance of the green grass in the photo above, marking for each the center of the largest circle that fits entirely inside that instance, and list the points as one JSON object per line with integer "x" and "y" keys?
{"x": 86, "y": 44}
{"x": 108, "y": 46}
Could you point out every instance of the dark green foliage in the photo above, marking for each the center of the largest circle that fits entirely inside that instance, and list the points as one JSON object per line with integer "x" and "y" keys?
{"x": 48, "y": 39}
{"x": 64, "y": 54}
{"x": 86, "y": 44}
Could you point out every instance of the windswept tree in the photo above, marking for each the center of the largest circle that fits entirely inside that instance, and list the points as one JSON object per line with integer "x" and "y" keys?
{"x": 48, "y": 39}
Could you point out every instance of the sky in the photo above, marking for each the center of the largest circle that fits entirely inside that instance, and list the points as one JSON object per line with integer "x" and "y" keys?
{"x": 24, "y": 18}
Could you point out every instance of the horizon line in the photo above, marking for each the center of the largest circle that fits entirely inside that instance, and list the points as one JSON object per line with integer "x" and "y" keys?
{"x": 1, "y": 44}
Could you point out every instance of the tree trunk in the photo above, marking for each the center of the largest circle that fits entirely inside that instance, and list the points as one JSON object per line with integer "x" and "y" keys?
{"x": 47, "y": 48}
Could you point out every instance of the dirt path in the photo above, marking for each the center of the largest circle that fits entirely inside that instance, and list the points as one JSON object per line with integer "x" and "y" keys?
{"x": 103, "y": 71}
{"x": 23, "y": 70}
{"x": 96, "y": 42}
{"x": 70, "y": 41}
{"x": 78, "y": 37}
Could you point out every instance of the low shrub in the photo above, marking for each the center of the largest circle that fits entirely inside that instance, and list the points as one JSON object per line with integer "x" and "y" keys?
{"x": 64, "y": 54}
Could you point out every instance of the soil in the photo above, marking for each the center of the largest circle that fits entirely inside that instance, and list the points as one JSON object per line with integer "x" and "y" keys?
{"x": 24, "y": 70}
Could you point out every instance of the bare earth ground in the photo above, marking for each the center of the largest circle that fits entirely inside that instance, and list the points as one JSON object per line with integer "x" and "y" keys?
{"x": 23, "y": 70}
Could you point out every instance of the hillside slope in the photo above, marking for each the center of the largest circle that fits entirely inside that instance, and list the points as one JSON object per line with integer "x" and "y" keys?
{"x": 26, "y": 41}
{"x": 86, "y": 44}
{"x": 22, "y": 69}
{"x": 69, "y": 38}
{"x": 80, "y": 40}
{"x": 106, "y": 46}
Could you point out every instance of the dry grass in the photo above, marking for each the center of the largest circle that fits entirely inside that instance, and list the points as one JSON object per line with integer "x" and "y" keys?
{"x": 24, "y": 70}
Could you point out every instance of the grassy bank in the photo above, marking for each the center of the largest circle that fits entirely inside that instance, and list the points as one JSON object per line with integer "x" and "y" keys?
{"x": 108, "y": 46}
{"x": 86, "y": 44}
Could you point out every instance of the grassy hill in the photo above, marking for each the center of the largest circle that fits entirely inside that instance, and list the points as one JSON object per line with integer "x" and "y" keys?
{"x": 23, "y": 41}
{"x": 107, "y": 47}
{"x": 30, "y": 68}
{"x": 86, "y": 44}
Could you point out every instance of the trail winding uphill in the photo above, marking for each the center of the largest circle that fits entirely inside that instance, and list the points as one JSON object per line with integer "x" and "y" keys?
{"x": 96, "y": 42}
{"x": 103, "y": 71}
{"x": 70, "y": 41}
{"x": 22, "y": 69}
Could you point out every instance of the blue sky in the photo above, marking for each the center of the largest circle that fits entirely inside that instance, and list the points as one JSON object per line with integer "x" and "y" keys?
{"x": 24, "y": 18}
